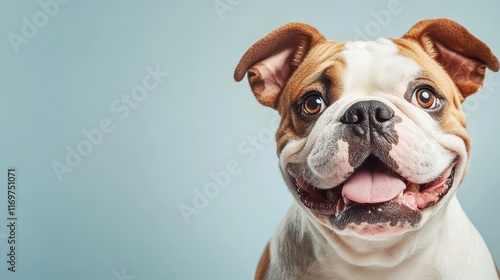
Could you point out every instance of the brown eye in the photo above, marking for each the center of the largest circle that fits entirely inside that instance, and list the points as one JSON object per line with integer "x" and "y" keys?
{"x": 425, "y": 98}
{"x": 313, "y": 104}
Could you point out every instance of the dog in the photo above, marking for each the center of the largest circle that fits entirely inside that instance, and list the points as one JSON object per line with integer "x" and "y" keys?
{"x": 372, "y": 145}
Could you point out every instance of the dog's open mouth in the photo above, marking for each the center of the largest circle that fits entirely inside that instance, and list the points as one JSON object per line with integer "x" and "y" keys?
{"x": 372, "y": 185}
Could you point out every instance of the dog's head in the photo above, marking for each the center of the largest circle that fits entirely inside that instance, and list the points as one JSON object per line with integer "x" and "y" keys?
{"x": 372, "y": 139}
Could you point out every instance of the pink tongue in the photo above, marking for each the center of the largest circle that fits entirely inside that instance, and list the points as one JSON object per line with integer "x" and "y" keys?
{"x": 372, "y": 186}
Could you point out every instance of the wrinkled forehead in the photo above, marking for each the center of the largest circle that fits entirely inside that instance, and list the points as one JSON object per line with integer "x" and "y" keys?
{"x": 376, "y": 66}
{"x": 366, "y": 68}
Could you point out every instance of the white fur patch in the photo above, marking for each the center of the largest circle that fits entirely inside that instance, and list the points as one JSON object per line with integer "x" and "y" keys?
{"x": 375, "y": 67}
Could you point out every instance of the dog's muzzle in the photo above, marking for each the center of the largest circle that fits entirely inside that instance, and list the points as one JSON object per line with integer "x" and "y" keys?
{"x": 374, "y": 191}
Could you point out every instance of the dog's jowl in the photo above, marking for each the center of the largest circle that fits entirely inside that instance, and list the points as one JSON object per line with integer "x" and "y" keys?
{"x": 372, "y": 144}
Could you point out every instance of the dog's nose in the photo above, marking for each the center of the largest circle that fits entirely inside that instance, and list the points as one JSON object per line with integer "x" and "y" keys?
{"x": 364, "y": 116}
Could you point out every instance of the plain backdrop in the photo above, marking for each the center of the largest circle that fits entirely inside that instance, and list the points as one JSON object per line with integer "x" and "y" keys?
{"x": 69, "y": 69}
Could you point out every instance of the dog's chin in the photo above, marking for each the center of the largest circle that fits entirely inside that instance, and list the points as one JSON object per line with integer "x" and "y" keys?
{"x": 400, "y": 214}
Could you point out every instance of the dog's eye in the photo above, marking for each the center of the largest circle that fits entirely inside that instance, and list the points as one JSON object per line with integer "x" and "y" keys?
{"x": 313, "y": 104}
{"x": 425, "y": 97}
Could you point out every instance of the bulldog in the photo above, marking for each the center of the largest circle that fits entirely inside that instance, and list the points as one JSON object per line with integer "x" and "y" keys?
{"x": 372, "y": 145}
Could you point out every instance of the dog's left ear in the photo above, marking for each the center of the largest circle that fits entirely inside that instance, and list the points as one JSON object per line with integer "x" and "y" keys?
{"x": 463, "y": 56}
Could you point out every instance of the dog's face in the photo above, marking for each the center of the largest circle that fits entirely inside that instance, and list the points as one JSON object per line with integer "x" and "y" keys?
{"x": 372, "y": 140}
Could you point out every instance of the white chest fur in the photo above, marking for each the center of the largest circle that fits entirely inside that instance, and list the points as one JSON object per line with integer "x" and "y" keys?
{"x": 303, "y": 252}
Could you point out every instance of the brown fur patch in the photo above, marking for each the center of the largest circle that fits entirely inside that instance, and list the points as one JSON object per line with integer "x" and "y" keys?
{"x": 320, "y": 71}
{"x": 263, "y": 266}
{"x": 498, "y": 272}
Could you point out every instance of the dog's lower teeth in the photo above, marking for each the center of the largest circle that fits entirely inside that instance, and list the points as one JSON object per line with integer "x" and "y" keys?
{"x": 347, "y": 201}
{"x": 400, "y": 195}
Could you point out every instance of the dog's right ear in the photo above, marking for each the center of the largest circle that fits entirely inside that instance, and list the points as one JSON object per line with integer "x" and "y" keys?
{"x": 463, "y": 56}
{"x": 272, "y": 60}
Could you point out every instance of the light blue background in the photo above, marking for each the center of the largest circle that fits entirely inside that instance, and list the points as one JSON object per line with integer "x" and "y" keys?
{"x": 119, "y": 208}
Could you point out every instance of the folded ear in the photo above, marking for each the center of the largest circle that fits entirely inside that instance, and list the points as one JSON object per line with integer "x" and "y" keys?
{"x": 463, "y": 56}
{"x": 272, "y": 60}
